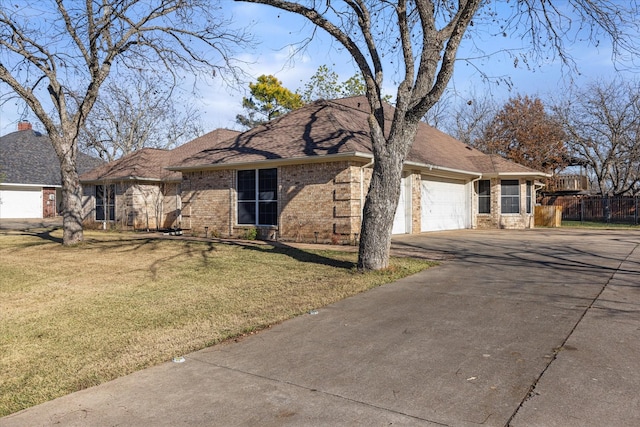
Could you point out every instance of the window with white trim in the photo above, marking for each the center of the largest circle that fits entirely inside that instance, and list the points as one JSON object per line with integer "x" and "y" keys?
{"x": 529, "y": 196}
{"x": 257, "y": 197}
{"x": 510, "y": 196}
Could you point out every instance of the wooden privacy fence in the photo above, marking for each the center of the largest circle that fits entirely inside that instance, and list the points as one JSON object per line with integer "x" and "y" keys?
{"x": 620, "y": 209}
{"x": 548, "y": 216}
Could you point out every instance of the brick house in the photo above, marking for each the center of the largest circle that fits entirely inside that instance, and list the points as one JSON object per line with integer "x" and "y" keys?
{"x": 305, "y": 175}
{"x": 30, "y": 177}
{"x": 137, "y": 191}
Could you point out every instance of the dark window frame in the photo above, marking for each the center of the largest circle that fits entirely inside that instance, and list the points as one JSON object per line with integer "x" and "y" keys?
{"x": 257, "y": 202}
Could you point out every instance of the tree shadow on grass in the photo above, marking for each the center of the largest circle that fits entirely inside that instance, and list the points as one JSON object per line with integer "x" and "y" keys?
{"x": 300, "y": 255}
{"x": 42, "y": 233}
{"x": 134, "y": 243}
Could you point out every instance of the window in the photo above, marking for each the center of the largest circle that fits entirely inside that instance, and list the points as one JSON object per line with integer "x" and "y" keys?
{"x": 105, "y": 202}
{"x": 484, "y": 196}
{"x": 258, "y": 197}
{"x": 529, "y": 193}
{"x": 510, "y": 196}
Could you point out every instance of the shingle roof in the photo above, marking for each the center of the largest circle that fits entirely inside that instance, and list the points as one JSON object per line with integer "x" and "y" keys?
{"x": 318, "y": 129}
{"x": 146, "y": 163}
{"x": 340, "y": 127}
{"x": 150, "y": 163}
{"x": 28, "y": 157}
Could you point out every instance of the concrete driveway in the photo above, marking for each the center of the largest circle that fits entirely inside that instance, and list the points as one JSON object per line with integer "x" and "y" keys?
{"x": 519, "y": 328}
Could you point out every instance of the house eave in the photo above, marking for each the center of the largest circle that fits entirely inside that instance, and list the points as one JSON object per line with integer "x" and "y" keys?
{"x": 517, "y": 175}
{"x": 128, "y": 178}
{"x": 354, "y": 155}
{"x": 18, "y": 184}
{"x": 442, "y": 171}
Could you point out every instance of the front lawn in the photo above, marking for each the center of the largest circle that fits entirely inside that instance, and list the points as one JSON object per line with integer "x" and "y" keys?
{"x": 74, "y": 317}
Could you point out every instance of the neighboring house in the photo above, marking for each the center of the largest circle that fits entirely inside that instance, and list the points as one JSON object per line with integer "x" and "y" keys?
{"x": 137, "y": 191}
{"x": 30, "y": 180}
{"x": 305, "y": 176}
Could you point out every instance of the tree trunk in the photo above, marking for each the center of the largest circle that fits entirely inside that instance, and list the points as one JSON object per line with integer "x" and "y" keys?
{"x": 71, "y": 193}
{"x": 379, "y": 212}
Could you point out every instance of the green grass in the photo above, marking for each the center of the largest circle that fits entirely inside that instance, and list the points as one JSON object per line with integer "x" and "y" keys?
{"x": 74, "y": 317}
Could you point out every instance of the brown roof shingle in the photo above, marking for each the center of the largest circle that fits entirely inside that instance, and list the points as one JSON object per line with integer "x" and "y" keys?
{"x": 340, "y": 126}
{"x": 319, "y": 129}
{"x": 150, "y": 163}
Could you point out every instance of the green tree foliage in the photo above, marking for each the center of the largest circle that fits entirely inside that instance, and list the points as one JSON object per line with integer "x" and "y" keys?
{"x": 269, "y": 99}
{"x": 324, "y": 85}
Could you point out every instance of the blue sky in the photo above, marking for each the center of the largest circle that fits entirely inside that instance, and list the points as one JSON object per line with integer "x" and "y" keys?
{"x": 275, "y": 30}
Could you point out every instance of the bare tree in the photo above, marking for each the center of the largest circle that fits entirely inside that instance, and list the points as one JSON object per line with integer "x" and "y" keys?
{"x": 465, "y": 117}
{"x": 603, "y": 124}
{"x": 136, "y": 112}
{"x": 56, "y": 55}
{"x": 419, "y": 39}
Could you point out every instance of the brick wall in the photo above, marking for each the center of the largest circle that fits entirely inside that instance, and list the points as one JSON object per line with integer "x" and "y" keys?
{"x": 316, "y": 202}
{"x": 416, "y": 205}
{"x": 320, "y": 202}
{"x": 49, "y": 202}
{"x": 208, "y": 200}
{"x": 171, "y": 205}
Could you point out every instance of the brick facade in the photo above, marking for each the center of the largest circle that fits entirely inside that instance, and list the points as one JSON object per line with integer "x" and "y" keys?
{"x": 322, "y": 202}
{"x": 49, "y": 202}
{"x": 208, "y": 200}
{"x": 416, "y": 206}
{"x": 496, "y": 219}
{"x": 316, "y": 202}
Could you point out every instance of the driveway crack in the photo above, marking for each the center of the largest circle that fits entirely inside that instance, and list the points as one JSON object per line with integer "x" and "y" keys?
{"x": 531, "y": 392}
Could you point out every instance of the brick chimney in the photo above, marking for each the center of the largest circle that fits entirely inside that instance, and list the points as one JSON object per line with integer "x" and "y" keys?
{"x": 24, "y": 126}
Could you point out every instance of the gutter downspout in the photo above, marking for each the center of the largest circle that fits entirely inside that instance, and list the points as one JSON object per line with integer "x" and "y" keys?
{"x": 232, "y": 204}
{"x": 474, "y": 217}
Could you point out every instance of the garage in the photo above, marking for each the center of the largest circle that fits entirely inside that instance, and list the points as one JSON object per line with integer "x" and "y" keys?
{"x": 402, "y": 220}
{"x": 444, "y": 204}
{"x": 21, "y": 202}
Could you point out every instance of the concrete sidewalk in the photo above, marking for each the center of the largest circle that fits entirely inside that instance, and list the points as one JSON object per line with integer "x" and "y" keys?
{"x": 528, "y": 328}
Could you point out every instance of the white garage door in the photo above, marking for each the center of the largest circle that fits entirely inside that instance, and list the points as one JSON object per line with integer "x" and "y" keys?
{"x": 402, "y": 220}
{"x": 22, "y": 202}
{"x": 444, "y": 204}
